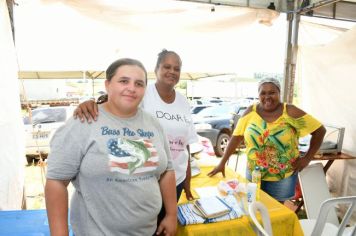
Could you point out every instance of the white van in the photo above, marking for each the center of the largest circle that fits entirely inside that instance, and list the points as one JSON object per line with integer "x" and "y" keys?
{"x": 41, "y": 127}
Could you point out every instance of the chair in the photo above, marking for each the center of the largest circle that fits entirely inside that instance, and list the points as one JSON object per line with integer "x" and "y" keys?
{"x": 266, "y": 229}
{"x": 312, "y": 227}
{"x": 315, "y": 191}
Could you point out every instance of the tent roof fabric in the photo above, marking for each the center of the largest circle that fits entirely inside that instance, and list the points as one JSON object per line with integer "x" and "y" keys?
{"x": 73, "y": 38}
{"x": 73, "y": 35}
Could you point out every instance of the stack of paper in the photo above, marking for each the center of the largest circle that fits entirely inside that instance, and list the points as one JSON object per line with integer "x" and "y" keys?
{"x": 188, "y": 213}
{"x": 212, "y": 207}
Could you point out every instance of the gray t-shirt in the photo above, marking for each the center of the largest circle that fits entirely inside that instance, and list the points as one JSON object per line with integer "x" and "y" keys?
{"x": 114, "y": 165}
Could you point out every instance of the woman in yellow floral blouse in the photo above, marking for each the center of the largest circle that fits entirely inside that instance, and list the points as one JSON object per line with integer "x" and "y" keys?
{"x": 270, "y": 130}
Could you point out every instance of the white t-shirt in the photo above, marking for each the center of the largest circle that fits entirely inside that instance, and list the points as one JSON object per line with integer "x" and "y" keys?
{"x": 177, "y": 123}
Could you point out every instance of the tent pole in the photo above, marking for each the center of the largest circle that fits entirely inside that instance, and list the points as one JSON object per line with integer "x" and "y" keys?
{"x": 288, "y": 58}
{"x": 296, "y": 20}
{"x": 291, "y": 51}
{"x": 10, "y": 7}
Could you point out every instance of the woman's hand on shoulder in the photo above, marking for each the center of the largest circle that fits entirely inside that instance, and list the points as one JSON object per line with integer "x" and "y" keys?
{"x": 294, "y": 111}
{"x": 87, "y": 110}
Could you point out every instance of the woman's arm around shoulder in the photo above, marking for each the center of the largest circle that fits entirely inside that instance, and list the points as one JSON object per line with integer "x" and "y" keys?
{"x": 86, "y": 111}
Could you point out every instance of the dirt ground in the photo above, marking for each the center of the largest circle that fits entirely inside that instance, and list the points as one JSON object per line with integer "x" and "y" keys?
{"x": 34, "y": 187}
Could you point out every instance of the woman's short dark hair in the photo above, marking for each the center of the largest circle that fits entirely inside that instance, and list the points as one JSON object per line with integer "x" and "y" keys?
{"x": 162, "y": 55}
{"x": 111, "y": 70}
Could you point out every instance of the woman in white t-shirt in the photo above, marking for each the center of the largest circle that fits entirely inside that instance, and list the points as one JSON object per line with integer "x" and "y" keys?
{"x": 171, "y": 109}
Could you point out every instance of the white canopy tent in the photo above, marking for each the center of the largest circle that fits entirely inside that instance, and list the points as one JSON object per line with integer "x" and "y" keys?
{"x": 57, "y": 38}
{"x": 12, "y": 147}
{"x": 60, "y": 38}
{"x": 326, "y": 75}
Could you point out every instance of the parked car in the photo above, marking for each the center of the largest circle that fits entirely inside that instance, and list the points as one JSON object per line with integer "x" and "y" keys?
{"x": 40, "y": 128}
{"x": 195, "y": 110}
{"x": 247, "y": 101}
{"x": 215, "y": 123}
{"x": 197, "y": 102}
{"x": 214, "y": 100}
{"x": 198, "y": 108}
{"x": 206, "y": 101}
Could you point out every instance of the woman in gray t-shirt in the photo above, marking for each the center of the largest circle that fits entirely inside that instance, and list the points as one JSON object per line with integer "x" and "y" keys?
{"x": 120, "y": 166}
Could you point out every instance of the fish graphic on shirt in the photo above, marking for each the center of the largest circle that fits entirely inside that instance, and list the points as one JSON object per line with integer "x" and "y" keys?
{"x": 132, "y": 156}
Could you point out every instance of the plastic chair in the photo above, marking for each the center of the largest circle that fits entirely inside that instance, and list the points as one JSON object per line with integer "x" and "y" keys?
{"x": 266, "y": 229}
{"x": 312, "y": 227}
{"x": 315, "y": 191}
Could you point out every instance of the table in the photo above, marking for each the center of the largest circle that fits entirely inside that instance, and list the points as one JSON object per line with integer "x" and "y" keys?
{"x": 331, "y": 157}
{"x": 284, "y": 221}
{"x": 24, "y": 223}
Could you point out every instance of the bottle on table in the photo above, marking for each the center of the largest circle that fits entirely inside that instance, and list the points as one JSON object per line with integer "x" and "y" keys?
{"x": 251, "y": 192}
{"x": 256, "y": 178}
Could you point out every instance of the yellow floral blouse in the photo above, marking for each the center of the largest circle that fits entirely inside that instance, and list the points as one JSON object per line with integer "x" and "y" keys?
{"x": 273, "y": 146}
